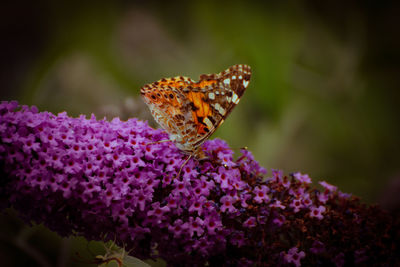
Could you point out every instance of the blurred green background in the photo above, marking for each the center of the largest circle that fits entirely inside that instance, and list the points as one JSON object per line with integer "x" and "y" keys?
{"x": 324, "y": 96}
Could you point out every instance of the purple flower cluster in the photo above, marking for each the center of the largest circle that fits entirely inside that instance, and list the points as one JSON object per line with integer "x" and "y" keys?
{"x": 116, "y": 179}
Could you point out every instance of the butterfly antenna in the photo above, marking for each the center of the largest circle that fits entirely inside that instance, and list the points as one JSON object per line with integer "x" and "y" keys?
{"x": 186, "y": 161}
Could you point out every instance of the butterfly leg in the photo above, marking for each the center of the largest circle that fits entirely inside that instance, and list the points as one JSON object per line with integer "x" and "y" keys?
{"x": 158, "y": 142}
{"x": 186, "y": 161}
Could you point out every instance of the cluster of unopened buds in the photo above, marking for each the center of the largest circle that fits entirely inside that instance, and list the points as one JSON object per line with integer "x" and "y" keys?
{"x": 96, "y": 178}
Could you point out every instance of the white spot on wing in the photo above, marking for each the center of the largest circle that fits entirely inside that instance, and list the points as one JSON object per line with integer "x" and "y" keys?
{"x": 235, "y": 98}
{"x": 211, "y": 96}
{"x": 234, "y": 77}
{"x": 227, "y": 81}
{"x": 220, "y": 109}
{"x": 208, "y": 123}
{"x": 245, "y": 83}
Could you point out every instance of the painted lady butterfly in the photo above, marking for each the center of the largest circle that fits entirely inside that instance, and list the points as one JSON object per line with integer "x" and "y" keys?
{"x": 191, "y": 111}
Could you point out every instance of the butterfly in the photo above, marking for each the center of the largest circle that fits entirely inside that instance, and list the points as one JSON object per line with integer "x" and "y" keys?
{"x": 190, "y": 111}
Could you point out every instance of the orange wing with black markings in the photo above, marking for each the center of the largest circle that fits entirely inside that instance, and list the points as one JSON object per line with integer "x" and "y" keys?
{"x": 191, "y": 111}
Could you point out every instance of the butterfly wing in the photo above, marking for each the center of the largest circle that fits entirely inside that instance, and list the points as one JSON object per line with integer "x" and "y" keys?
{"x": 191, "y": 111}
{"x": 213, "y": 98}
{"x": 166, "y": 102}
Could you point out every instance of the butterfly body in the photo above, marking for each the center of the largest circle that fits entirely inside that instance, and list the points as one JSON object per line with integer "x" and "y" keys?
{"x": 191, "y": 111}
